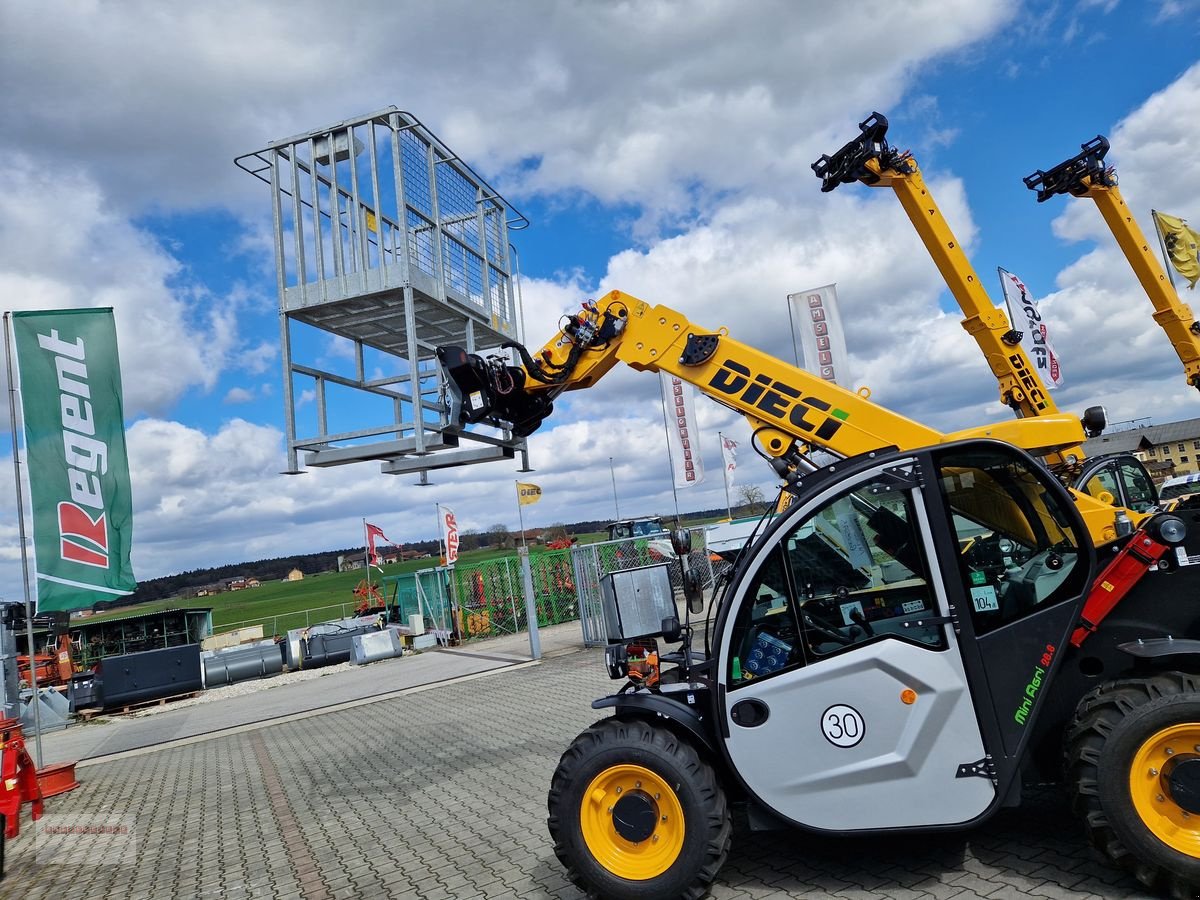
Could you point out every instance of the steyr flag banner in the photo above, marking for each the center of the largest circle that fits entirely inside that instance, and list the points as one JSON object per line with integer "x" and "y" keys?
{"x": 449, "y": 533}
{"x": 374, "y": 531}
{"x": 1035, "y": 340}
{"x": 818, "y": 324}
{"x": 528, "y": 493}
{"x": 76, "y": 460}
{"x": 680, "y": 401}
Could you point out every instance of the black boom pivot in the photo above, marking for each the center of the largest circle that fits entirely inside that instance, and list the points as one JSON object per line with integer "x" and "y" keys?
{"x": 1068, "y": 176}
{"x": 849, "y": 164}
{"x": 492, "y": 392}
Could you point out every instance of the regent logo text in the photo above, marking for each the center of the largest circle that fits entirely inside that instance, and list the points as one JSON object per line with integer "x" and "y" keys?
{"x": 83, "y": 535}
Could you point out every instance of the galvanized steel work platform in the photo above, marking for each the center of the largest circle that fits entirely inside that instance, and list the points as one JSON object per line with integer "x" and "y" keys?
{"x": 389, "y": 242}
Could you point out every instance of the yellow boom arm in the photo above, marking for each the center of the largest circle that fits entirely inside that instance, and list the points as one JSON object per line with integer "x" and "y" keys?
{"x": 790, "y": 410}
{"x": 869, "y": 159}
{"x": 1086, "y": 175}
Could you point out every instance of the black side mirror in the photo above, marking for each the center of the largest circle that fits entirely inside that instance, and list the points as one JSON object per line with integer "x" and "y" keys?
{"x": 693, "y": 590}
{"x": 670, "y": 629}
{"x": 681, "y": 541}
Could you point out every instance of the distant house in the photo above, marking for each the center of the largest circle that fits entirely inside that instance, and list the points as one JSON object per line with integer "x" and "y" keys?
{"x": 253, "y": 583}
{"x": 295, "y": 575}
{"x": 236, "y": 584}
{"x": 1172, "y": 448}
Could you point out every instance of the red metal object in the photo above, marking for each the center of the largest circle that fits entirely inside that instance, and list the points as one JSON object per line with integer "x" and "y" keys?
{"x": 56, "y": 779}
{"x": 52, "y": 668}
{"x": 18, "y": 779}
{"x": 1115, "y": 581}
{"x": 369, "y": 596}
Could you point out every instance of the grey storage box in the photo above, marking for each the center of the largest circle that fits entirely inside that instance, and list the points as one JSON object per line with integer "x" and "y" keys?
{"x": 636, "y": 601}
{"x": 81, "y": 692}
{"x": 365, "y": 648}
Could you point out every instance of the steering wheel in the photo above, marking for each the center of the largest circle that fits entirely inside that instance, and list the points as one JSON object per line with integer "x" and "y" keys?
{"x": 825, "y": 629}
{"x": 860, "y": 620}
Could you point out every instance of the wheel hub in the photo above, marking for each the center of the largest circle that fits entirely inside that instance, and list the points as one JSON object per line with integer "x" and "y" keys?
{"x": 635, "y": 815}
{"x": 1164, "y": 785}
{"x": 632, "y": 822}
{"x": 1181, "y": 778}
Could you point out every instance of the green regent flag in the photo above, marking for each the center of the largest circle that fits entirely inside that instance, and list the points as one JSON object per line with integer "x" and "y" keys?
{"x": 75, "y": 456}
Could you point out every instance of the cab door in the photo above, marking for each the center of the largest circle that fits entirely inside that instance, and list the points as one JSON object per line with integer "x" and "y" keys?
{"x": 845, "y": 696}
{"x": 847, "y": 702}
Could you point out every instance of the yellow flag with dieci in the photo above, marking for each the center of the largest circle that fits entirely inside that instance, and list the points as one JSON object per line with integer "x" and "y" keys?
{"x": 528, "y": 493}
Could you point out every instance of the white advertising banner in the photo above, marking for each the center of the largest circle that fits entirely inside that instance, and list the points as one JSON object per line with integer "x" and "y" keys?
{"x": 1025, "y": 317}
{"x": 729, "y": 457}
{"x": 817, "y": 328}
{"x": 682, "y": 433}
{"x": 449, "y": 533}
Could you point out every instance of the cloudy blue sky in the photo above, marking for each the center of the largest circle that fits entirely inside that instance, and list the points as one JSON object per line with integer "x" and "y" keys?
{"x": 657, "y": 147}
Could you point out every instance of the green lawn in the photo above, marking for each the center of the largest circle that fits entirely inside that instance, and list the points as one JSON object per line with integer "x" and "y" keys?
{"x": 281, "y": 605}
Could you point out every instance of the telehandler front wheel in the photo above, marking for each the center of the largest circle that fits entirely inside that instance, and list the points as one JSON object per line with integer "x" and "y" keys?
{"x": 636, "y": 814}
{"x": 1133, "y": 765}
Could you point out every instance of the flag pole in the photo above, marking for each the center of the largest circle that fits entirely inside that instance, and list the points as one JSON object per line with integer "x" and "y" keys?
{"x": 367, "y": 553}
{"x": 437, "y": 515}
{"x": 520, "y": 513}
{"x": 725, "y": 476}
{"x": 792, "y": 328}
{"x": 1162, "y": 245}
{"x": 29, "y": 645}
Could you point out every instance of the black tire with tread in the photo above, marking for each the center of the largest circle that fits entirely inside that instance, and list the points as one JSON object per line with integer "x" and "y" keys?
{"x": 708, "y": 824}
{"x": 1110, "y": 723}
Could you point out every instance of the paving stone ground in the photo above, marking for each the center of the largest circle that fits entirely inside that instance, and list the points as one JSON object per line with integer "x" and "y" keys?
{"x": 442, "y": 794}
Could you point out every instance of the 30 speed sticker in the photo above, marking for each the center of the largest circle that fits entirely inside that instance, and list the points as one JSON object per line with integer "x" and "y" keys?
{"x": 842, "y": 725}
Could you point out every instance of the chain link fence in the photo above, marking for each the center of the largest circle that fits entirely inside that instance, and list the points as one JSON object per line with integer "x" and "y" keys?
{"x": 282, "y": 623}
{"x": 471, "y": 602}
{"x": 593, "y": 561}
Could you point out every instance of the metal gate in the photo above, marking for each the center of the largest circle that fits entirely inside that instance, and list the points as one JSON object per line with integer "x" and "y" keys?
{"x": 592, "y": 562}
{"x": 586, "y": 564}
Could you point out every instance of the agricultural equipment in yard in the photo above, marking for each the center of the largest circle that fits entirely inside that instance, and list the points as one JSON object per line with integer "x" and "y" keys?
{"x": 18, "y": 783}
{"x": 370, "y": 598}
{"x": 52, "y": 668}
{"x": 935, "y": 620}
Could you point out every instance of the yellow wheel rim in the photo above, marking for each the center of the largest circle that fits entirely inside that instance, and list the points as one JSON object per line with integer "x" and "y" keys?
{"x": 643, "y": 859}
{"x": 1150, "y": 790}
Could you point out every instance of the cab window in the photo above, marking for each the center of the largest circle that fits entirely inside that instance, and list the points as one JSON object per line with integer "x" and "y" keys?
{"x": 1139, "y": 489}
{"x": 851, "y": 572}
{"x": 766, "y": 635}
{"x": 1017, "y": 552}
{"x": 1104, "y": 482}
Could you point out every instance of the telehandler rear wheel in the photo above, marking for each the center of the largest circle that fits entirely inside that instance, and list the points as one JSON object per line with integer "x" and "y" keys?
{"x": 1133, "y": 765}
{"x": 635, "y": 814}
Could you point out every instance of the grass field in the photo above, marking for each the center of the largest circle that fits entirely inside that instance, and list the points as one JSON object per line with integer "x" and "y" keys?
{"x": 281, "y": 605}
{"x": 321, "y": 593}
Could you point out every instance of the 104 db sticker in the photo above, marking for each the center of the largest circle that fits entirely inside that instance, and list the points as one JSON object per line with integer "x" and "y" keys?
{"x": 842, "y": 725}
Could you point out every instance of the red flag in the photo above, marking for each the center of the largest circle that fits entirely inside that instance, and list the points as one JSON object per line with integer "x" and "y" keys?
{"x": 374, "y": 531}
